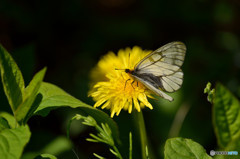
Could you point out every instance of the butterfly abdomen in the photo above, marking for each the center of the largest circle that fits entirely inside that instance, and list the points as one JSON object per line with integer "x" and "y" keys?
{"x": 155, "y": 81}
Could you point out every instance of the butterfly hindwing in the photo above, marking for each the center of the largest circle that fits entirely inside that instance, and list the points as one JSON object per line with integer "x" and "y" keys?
{"x": 154, "y": 89}
{"x": 173, "y": 82}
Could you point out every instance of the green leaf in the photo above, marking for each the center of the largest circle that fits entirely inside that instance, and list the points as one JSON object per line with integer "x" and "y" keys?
{"x": 53, "y": 97}
{"x": 226, "y": 116}
{"x": 233, "y": 147}
{"x": 3, "y": 124}
{"x": 10, "y": 119}
{"x": 180, "y": 148}
{"x": 12, "y": 79}
{"x": 12, "y": 141}
{"x": 45, "y": 156}
{"x": 30, "y": 94}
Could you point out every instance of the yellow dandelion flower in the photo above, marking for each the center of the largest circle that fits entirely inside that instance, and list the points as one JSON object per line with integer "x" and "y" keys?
{"x": 160, "y": 71}
{"x": 116, "y": 89}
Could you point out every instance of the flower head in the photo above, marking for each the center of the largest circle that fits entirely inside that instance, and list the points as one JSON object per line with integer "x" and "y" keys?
{"x": 115, "y": 89}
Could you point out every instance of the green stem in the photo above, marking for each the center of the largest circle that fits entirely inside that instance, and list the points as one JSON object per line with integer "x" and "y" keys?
{"x": 130, "y": 145}
{"x": 143, "y": 135}
{"x": 178, "y": 120}
{"x": 68, "y": 128}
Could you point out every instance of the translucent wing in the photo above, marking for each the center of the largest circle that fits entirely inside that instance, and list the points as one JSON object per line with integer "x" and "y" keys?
{"x": 164, "y": 61}
{"x": 171, "y": 83}
{"x": 157, "y": 84}
{"x": 160, "y": 70}
{"x": 153, "y": 88}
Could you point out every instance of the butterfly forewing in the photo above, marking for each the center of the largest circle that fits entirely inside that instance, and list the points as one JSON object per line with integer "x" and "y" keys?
{"x": 163, "y": 69}
{"x": 164, "y": 61}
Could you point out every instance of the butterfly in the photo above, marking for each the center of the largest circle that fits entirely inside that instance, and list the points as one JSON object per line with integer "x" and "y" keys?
{"x": 160, "y": 70}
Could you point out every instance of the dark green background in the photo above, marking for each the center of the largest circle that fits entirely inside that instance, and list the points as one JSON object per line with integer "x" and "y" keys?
{"x": 69, "y": 37}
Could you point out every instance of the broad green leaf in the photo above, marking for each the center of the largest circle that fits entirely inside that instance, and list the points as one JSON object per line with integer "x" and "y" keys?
{"x": 45, "y": 156}
{"x": 10, "y": 119}
{"x": 233, "y": 147}
{"x": 30, "y": 94}
{"x": 53, "y": 97}
{"x": 226, "y": 116}
{"x": 12, "y": 79}
{"x": 180, "y": 148}
{"x": 13, "y": 141}
{"x": 3, "y": 124}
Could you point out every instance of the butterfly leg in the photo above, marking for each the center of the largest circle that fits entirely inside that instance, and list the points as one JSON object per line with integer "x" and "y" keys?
{"x": 126, "y": 83}
{"x": 132, "y": 84}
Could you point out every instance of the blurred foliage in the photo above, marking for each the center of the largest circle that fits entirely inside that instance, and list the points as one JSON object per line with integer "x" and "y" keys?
{"x": 38, "y": 98}
{"x": 69, "y": 37}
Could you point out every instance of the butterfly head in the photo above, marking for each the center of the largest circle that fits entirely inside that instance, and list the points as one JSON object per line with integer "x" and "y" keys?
{"x": 128, "y": 71}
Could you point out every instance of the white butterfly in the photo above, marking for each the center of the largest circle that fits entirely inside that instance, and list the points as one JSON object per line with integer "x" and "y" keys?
{"x": 160, "y": 70}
